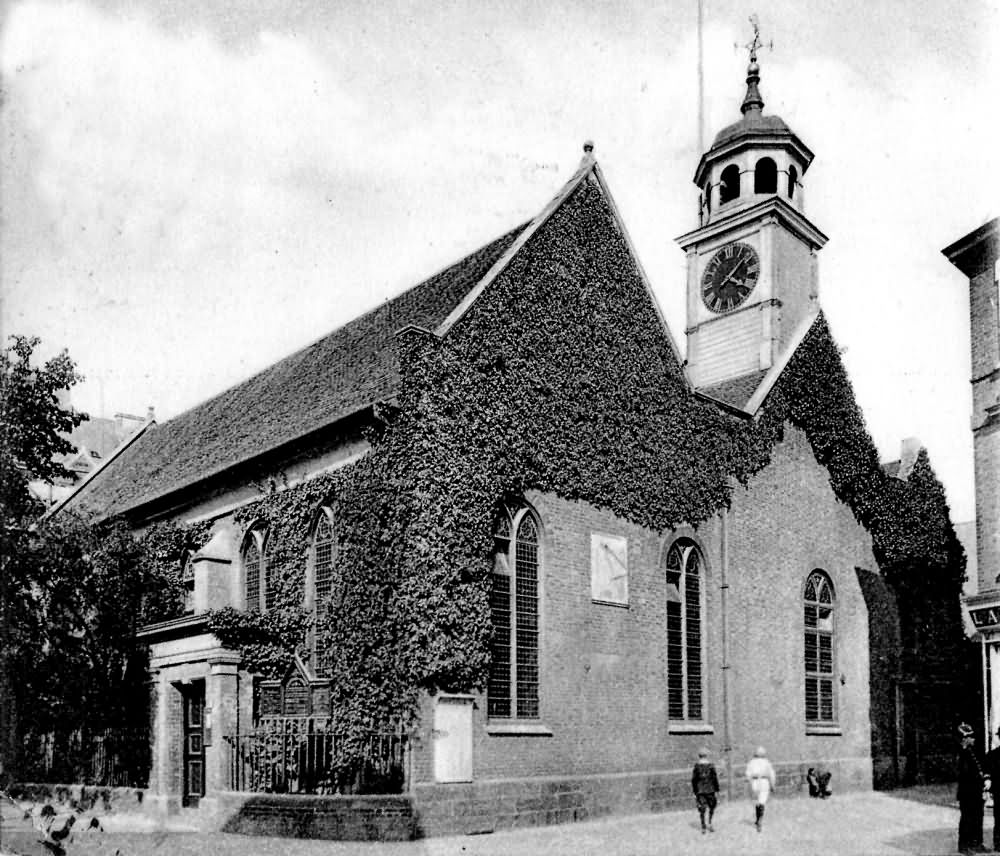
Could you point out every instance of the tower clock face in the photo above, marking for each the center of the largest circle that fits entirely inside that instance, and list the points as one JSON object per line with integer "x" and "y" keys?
{"x": 729, "y": 277}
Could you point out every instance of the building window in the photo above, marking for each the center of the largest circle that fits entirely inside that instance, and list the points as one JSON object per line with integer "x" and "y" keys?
{"x": 765, "y": 176}
{"x": 729, "y": 187}
{"x": 819, "y": 648}
{"x": 187, "y": 581}
{"x": 254, "y": 570}
{"x": 793, "y": 177}
{"x": 685, "y": 620}
{"x": 513, "y": 682}
{"x": 324, "y": 555}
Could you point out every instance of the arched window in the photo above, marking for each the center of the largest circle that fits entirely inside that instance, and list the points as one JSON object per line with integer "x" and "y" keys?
{"x": 187, "y": 580}
{"x": 324, "y": 554}
{"x": 793, "y": 177}
{"x": 685, "y": 620}
{"x": 729, "y": 187}
{"x": 765, "y": 176}
{"x": 254, "y": 570}
{"x": 513, "y": 682}
{"x": 819, "y": 602}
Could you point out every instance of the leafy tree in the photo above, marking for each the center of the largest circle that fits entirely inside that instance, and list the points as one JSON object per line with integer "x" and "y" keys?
{"x": 33, "y": 425}
{"x": 73, "y": 593}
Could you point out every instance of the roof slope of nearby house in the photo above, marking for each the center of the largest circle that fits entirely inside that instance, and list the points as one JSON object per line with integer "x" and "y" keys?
{"x": 340, "y": 374}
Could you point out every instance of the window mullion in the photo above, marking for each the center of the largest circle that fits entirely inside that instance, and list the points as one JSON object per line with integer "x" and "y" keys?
{"x": 684, "y": 639}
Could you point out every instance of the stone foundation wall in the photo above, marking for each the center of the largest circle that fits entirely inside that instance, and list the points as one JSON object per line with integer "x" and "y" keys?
{"x": 516, "y": 803}
{"x": 461, "y": 809}
{"x": 341, "y": 818}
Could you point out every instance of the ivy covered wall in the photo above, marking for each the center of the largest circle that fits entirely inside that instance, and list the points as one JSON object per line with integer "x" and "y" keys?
{"x": 560, "y": 378}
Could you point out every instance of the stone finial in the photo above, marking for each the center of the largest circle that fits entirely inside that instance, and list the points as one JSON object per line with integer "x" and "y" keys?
{"x": 588, "y": 146}
{"x": 588, "y": 154}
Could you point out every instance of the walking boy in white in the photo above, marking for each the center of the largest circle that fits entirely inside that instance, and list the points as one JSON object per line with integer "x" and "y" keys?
{"x": 760, "y": 774}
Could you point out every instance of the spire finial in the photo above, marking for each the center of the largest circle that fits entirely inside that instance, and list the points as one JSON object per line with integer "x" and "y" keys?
{"x": 753, "y": 101}
{"x": 588, "y": 154}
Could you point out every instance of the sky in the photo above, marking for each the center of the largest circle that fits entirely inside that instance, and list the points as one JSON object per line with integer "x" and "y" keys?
{"x": 192, "y": 190}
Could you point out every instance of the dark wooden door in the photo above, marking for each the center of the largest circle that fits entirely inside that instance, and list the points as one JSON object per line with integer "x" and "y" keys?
{"x": 194, "y": 743}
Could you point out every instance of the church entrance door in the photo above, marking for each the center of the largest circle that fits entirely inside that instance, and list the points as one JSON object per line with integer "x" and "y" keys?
{"x": 194, "y": 743}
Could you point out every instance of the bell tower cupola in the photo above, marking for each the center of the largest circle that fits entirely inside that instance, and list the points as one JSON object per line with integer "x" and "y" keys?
{"x": 752, "y": 273}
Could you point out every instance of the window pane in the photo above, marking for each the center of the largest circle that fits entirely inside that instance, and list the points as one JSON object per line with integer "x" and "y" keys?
{"x": 526, "y": 620}
{"x": 825, "y": 621}
{"x": 812, "y": 699}
{"x": 675, "y": 662}
{"x": 692, "y": 635}
{"x": 323, "y": 555}
{"x": 251, "y": 565}
{"x": 498, "y": 689}
{"x": 825, "y": 655}
{"x": 826, "y": 701}
{"x": 812, "y": 657}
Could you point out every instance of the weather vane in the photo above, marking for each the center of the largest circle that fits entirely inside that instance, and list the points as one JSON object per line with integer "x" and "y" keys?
{"x": 756, "y": 42}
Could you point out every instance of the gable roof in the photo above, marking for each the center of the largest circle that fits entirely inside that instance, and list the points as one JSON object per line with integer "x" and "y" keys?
{"x": 334, "y": 377}
{"x": 337, "y": 376}
{"x": 589, "y": 169}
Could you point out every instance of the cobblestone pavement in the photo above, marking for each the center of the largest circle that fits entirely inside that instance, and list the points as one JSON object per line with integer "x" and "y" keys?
{"x": 862, "y": 824}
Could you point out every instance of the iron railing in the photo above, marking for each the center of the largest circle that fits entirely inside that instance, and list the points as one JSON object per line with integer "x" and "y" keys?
{"x": 112, "y": 757}
{"x": 293, "y": 759}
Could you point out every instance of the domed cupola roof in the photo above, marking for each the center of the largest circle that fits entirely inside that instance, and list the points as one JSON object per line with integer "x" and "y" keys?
{"x": 754, "y": 129}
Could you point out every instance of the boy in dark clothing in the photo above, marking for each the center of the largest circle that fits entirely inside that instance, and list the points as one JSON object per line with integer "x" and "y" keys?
{"x": 705, "y": 784}
{"x": 819, "y": 783}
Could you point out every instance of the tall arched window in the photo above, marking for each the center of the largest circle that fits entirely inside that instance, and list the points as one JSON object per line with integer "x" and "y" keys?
{"x": 254, "y": 570}
{"x": 324, "y": 554}
{"x": 729, "y": 188}
{"x": 513, "y": 682}
{"x": 685, "y": 620}
{"x": 187, "y": 580}
{"x": 819, "y": 602}
{"x": 793, "y": 177}
{"x": 765, "y": 176}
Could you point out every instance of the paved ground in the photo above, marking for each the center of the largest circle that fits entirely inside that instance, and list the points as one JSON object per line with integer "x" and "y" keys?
{"x": 862, "y": 824}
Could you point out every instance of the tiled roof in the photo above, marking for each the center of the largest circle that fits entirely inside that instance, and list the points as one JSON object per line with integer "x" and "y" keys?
{"x": 349, "y": 369}
{"x": 735, "y": 392}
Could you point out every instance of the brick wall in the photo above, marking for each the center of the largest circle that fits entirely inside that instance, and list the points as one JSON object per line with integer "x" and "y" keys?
{"x": 517, "y": 803}
{"x": 602, "y": 668}
{"x": 371, "y": 818}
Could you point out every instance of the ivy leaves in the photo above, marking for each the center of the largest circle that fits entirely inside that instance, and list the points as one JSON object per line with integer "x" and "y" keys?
{"x": 559, "y": 379}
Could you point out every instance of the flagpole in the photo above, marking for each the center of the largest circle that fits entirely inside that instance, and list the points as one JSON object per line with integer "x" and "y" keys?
{"x": 701, "y": 77}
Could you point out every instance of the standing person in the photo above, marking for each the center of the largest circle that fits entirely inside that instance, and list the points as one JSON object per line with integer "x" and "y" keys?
{"x": 760, "y": 774}
{"x": 970, "y": 792}
{"x": 705, "y": 784}
{"x": 992, "y": 768}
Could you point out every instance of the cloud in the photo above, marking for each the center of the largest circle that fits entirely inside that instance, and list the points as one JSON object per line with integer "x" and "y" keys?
{"x": 155, "y": 144}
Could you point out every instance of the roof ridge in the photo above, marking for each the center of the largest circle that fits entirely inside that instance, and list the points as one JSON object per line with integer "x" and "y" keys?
{"x": 587, "y": 165}
{"x": 776, "y": 370}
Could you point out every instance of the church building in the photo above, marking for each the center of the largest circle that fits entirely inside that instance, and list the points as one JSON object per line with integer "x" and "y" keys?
{"x": 496, "y": 552}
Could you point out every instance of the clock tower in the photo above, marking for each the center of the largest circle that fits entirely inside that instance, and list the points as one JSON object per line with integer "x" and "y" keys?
{"x": 752, "y": 273}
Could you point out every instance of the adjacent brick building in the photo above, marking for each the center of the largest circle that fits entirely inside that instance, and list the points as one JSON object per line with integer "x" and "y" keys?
{"x": 977, "y": 256}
